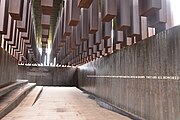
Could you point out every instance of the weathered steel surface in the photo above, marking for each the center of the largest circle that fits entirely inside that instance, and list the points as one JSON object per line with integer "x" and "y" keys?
{"x": 142, "y": 79}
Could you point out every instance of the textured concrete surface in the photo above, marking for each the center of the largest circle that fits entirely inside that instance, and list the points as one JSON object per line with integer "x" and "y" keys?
{"x": 60, "y": 103}
{"x": 142, "y": 79}
{"x": 8, "y": 68}
{"x": 51, "y": 76}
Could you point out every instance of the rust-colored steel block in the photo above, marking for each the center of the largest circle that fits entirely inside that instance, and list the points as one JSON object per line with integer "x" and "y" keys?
{"x": 45, "y": 21}
{"x": 47, "y": 6}
{"x": 44, "y": 40}
{"x": 94, "y": 49}
{"x": 148, "y": 7}
{"x": 100, "y": 47}
{"x": 123, "y": 14}
{"x": 135, "y": 18}
{"x": 108, "y": 43}
{"x": 93, "y": 17}
{"x": 109, "y": 10}
{"x": 84, "y": 24}
{"x": 116, "y": 47}
{"x": 67, "y": 28}
{"x": 78, "y": 35}
{"x": 16, "y": 9}
{"x": 74, "y": 13}
{"x": 4, "y": 16}
{"x": 106, "y": 30}
{"x": 45, "y": 33}
{"x": 91, "y": 40}
{"x": 25, "y": 35}
{"x": 22, "y": 25}
{"x": 98, "y": 37}
{"x": 12, "y": 41}
{"x": 158, "y": 19}
{"x": 84, "y": 3}
{"x": 85, "y": 46}
{"x": 73, "y": 38}
{"x": 8, "y": 36}
{"x": 118, "y": 37}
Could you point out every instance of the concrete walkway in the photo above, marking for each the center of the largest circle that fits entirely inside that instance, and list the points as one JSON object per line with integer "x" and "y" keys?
{"x": 61, "y": 103}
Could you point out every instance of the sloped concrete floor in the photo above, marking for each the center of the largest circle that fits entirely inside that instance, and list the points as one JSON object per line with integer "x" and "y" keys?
{"x": 61, "y": 103}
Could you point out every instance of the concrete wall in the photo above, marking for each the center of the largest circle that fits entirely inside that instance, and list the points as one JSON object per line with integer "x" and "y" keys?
{"x": 142, "y": 79}
{"x": 48, "y": 75}
{"x": 8, "y": 68}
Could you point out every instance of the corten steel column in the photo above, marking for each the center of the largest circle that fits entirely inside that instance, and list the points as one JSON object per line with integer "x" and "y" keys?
{"x": 4, "y": 4}
{"x": 93, "y": 17}
{"x": 98, "y": 37}
{"x": 74, "y": 13}
{"x": 16, "y": 9}
{"x": 22, "y": 25}
{"x": 84, "y": 3}
{"x": 158, "y": 19}
{"x": 123, "y": 14}
{"x": 84, "y": 24}
{"x": 67, "y": 28}
{"x": 108, "y": 10}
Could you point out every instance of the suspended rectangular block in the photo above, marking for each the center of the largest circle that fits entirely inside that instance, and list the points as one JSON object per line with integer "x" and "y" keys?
{"x": 108, "y": 10}
{"x": 22, "y": 25}
{"x": 148, "y": 7}
{"x": 78, "y": 35}
{"x": 25, "y": 35}
{"x": 73, "y": 38}
{"x": 45, "y": 21}
{"x": 84, "y": 24}
{"x": 98, "y": 37}
{"x": 118, "y": 37}
{"x": 116, "y": 47}
{"x": 16, "y": 39}
{"x": 94, "y": 49}
{"x": 100, "y": 47}
{"x": 61, "y": 26}
{"x": 85, "y": 46}
{"x": 85, "y": 56}
{"x": 84, "y": 3}
{"x": 74, "y": 13}
{"x": 70, "y": 45}
{"x": 47, "y": 6}
{"x": 123, "y": 14}
{"x": 91, "y": 40}
{"x": 67, "y": 28}
{"x": 108, "y": 43}
{"x": 18, "y": 45}
{"x": 159, "y": 18}
{"x": 44, "y": 40}
{"x": 45, "y": 33}
{"x": 12, "y": 41}
{"x": 135, "y": 19}
{"x": 16, "y": 9}
{"x": 106, "y": 30}
{"x": 144, "y": 28}
{"x": 76, "y": 52}
{"x": 93, "y": 17}
{"x": 107, "y": 51}
{"x": 8, "y": 36}
{"x": 4, "y": 16}
{"x": 80, "y": 49}
{"x": 90, "y": 52}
